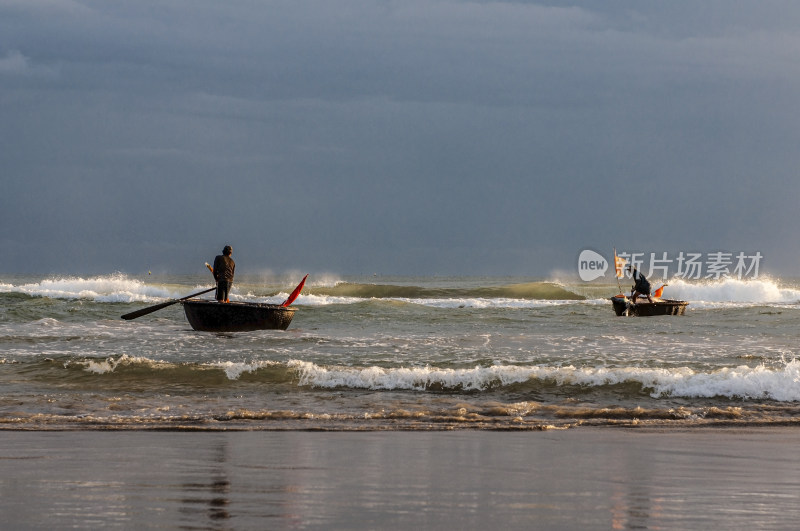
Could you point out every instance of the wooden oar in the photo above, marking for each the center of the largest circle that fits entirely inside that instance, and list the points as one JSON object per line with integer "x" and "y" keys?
{"x": 151, "y": 309}
{"x": 295, "y": 293}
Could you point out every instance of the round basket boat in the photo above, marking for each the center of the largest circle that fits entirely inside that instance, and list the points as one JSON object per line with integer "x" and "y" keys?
{"x": 213, "y": 316}
{"x": 623, "y": 307}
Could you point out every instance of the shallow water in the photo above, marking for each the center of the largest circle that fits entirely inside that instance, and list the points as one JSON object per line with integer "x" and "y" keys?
{"x": 397, "y": 353}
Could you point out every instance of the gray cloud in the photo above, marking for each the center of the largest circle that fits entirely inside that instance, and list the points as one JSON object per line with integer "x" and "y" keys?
{"x": 398, "y": 137}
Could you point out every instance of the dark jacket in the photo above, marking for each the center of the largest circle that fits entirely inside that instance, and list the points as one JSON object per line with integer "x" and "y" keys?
{"x": 223, "y": 268}
{"x": 642, "y": 284}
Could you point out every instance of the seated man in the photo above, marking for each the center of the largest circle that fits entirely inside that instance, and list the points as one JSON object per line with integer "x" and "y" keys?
{"x": 642, "y": 286}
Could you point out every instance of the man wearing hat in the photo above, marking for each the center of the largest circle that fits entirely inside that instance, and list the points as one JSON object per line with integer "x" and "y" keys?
{"x": 223, "y": 273}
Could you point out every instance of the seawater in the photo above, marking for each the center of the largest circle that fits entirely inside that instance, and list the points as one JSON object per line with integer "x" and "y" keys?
{"x": 379, "y": 353}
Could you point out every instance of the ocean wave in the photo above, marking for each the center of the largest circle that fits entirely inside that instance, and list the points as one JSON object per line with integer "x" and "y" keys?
{"x": 119, "y": 288}
{"x": 109, "y": 365}
{"x": 731, "y": 290}
{"x": 447, "y": 303}
{"x": 132, "y": 392}
{"x": 313, "y": 300}
{"x": 525, "y": 291}
{"x": 723, "y": 293}
{"x": 523, "y": 296}
{"x": 232, "y": 370}
{"x": 109, "y": 288}
{"x": 761, "y": 382}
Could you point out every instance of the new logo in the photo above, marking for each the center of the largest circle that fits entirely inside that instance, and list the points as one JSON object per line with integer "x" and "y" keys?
{"x": 591, "y": 265}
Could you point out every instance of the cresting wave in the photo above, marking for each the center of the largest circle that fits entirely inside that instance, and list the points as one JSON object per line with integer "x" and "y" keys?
{"x": 780, "y": 383}
{"x": 731, "y": 290}
{"x": 116, "y": 288}
{"x": 525, "y": 291}
{"x": 110, "y": 288}
{"x": 142, "y": 367}
{"x": 759, "y": 382}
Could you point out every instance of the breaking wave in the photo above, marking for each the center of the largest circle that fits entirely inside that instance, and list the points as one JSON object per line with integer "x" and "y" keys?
{"x": 781, "y": 383}
{"x": 119, "y": 288}
{"x": 731, "y": 290}
{"x": 110, "y": 288}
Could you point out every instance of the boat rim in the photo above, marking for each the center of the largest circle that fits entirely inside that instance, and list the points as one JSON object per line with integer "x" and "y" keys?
{"x": 246, "y": 304}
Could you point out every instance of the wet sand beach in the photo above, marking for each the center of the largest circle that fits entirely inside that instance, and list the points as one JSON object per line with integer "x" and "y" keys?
{"x": 560, "y": 479}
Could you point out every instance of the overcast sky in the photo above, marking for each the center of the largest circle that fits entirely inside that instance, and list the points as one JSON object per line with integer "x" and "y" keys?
{"x": 395, "y": 137}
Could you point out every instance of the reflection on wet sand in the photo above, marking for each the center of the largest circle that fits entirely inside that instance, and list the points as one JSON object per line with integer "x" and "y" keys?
{"x": 632, "y": 503}
{"x": 582, "y": 479}
{"x": 217, "y": 489}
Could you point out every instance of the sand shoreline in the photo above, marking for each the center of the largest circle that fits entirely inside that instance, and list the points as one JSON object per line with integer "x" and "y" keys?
{"x": 428, "y": 428}
{"x": 734, "y": 478}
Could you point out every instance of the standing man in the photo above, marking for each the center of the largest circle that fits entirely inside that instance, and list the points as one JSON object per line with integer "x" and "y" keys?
{"x": 223, "y": 273}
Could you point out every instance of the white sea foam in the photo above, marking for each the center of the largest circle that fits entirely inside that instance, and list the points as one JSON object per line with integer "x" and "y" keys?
{"x": 319, "y": 280}
{"x": 108, "y": 288}
{"x": 782, "y": 384}
{"x": 234, "y": 370}
{"x": 743, "y": 381}
{"x": 731, "y": 290}
{"x": 403, "y": 378}
{"x": 316, "y": 300}
{"x": 110, "y": 364}
{"x": 758, "y": 382}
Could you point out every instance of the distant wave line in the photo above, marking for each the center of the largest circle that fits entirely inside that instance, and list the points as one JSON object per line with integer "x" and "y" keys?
{"x": 119, "y": 288}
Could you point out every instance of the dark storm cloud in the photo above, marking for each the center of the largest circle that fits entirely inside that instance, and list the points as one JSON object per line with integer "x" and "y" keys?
{"x": 399, "y": 137}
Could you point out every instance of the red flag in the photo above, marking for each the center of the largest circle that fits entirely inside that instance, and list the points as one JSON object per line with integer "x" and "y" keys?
{"x": 295, "y": 293}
